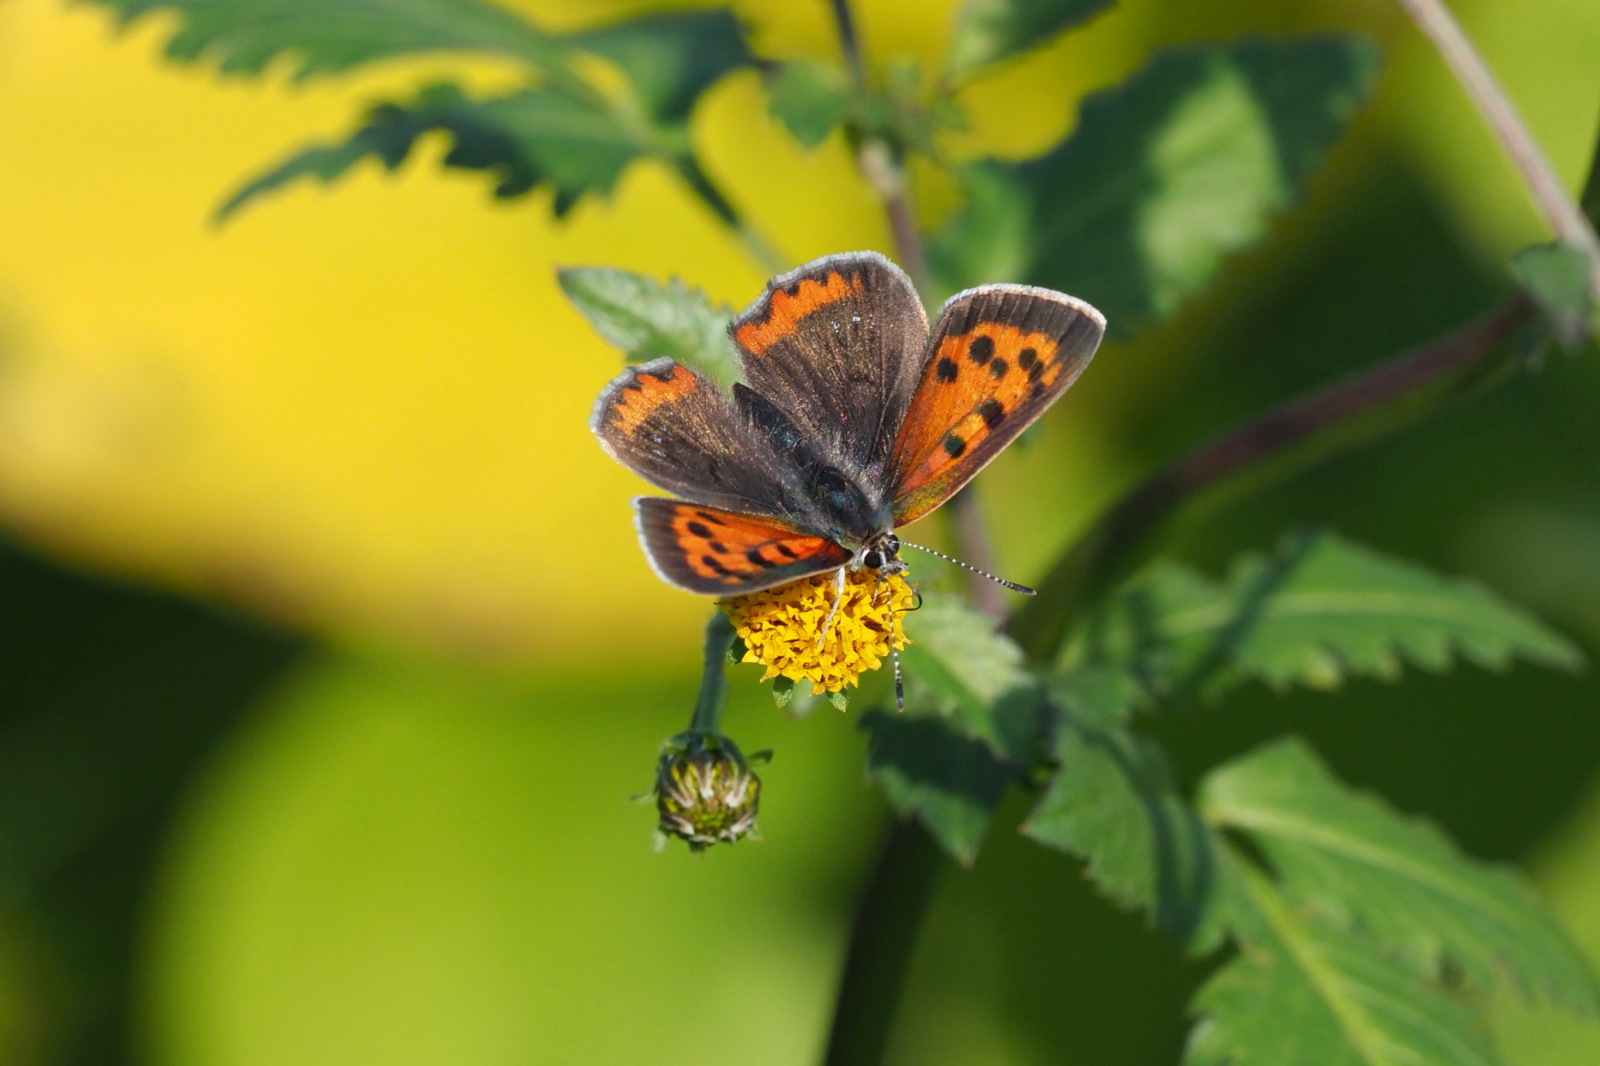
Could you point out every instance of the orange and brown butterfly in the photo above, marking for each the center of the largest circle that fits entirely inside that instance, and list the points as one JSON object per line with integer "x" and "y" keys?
{"x": 853, "y": 418}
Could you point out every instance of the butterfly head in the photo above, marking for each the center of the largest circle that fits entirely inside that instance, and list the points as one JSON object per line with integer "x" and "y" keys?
{"x": 881, "y": 555}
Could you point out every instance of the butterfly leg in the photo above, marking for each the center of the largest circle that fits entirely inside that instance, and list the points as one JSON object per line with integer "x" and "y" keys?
{"x": 833, "y": 612}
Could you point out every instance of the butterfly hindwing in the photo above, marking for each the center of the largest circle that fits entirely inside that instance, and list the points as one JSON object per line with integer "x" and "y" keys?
{"x": 1000, "y": 355}
{"x": 722, "y": 553}
{"x": 837, "y": 345}
{"x": 678, "y": 430}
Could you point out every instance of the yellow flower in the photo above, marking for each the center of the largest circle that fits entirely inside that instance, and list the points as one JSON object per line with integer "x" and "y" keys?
{"x": 780, "y": 626}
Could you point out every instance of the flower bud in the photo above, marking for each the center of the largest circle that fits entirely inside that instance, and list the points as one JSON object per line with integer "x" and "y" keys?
{"x": 705, "y": 791}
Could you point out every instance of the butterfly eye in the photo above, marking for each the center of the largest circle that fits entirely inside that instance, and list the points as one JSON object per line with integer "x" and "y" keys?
{"x": 892, "y": 544}
{"x": 872, "y": 559}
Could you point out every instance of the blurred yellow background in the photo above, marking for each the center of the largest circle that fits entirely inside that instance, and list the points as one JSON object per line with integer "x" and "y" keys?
{"x": 361, "y": 412}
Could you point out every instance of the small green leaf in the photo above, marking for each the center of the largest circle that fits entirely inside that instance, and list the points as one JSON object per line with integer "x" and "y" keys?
{"x": 244, "y": 36}
{"x": 1320, "y": 610}
{"x": 1165, "y": 175}
{"x": 929, "y": 769}
{"x": 986, "y": 31}
{"x": 648, "y": 319}
{"x": 782, "y": 691}
{"x": 1398, "y": 880}
{"x": 671, "y": 58}
{"x": 840, "y": 700}
{"x": 524, "y": 139}
{"x": 1097, "y": 695}
{"x": 1112, "y": 803}
{"x": 809, "y": 98}
{"x": 1559, "y": 278}
{"x": 974, "y": 675}
{"x": 1304, "y": 992}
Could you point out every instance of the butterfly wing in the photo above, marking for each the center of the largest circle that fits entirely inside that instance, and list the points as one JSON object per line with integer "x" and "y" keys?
{"x": 678, "y": 430}
{"x": 836, "y": 346}
{"x": 722, "y": 553}
{"x": 1000, "y": 355}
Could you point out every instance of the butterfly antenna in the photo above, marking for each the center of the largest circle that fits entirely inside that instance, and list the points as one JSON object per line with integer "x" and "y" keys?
{"x": 1012, "y": 585}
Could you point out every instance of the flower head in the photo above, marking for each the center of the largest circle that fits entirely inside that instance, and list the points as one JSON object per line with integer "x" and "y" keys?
{"x": 705, "y": 791}
{"x": 796, "y": 631}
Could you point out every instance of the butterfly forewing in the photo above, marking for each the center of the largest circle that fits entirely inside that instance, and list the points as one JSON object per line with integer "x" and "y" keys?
{"x": 836, "y": 346}
{"x": 1000, "y": 355}
{"x": 679, "y": 431}
{"x": 721, "y": 553}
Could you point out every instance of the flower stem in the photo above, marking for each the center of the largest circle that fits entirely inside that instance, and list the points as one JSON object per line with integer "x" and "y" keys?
{"x": 882, "y": 941}
{"x": 713, "y": 678}
{"x": 1544, "y": 187}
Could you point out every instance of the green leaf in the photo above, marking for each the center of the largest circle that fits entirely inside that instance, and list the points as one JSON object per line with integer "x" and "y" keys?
{"x": 1559, "y": 278}
{"x": 928, "y": 768}
{"x": 973, "y": 675}
{"x": 1165, "y": 175}
{"x": 1398, "y": 880}
{"x": 986, "y": 31}
{"x": 1318, "y": 611}
{"x": 1112, "y": 803}
{"x": 671, "y": 58}
{"x": 525, "y": 139}
{"x": 809, "y": 98}
{"x": 1304, "y": 992}
{"x": 649, "y": 319}
{"x": 244, "y": 36}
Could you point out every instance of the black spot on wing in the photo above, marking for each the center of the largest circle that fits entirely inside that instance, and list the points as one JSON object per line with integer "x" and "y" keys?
{"x": 992, "y": 411}
{"x": 700, "y": 529}
{"x": 755, "y": 556}
{"x": 954, "y": 446}
{"x": 710, "y": 563}
{"x": 981, "y": 350}
{"x": 948, "y": 370}
{"x": 999, "y": 368}
{"x": 1028, "y": 358}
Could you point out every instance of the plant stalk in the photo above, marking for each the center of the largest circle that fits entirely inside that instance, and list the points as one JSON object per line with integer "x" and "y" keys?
{"x": 713, "y": 677}
{"x": 1434, "y": 19}
{"x": 882, "y": 941}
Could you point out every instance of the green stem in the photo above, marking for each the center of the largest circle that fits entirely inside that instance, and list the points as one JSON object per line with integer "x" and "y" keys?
{"x": 1434, "y": 19}
{"x": 713, "y": 678}
{"x": 882, "y": 941}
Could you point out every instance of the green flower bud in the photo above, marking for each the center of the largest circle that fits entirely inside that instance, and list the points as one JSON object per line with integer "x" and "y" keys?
{"x": 705, "y": 791}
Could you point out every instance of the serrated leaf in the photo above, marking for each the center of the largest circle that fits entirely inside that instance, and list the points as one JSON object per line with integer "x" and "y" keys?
{"x": 1320, "y": 610}
{"x": 1112, "y": 803}
{"x": 928, "y": 769}
{"x": 974, "y": 675}
{"x": 809, "y": 98}
{"x": 1398, "y": 880}
{"x": 986, "y": 31}
{"x": 1560, "y": 279}
{"x": 1304, "y": 992}
{"x": 1167, "y": 174}
{"x": 649, "y": 319}
{"x": 525, "y": 139}
{"x": 244, "y": 36}
{"x": 671, "y": 58}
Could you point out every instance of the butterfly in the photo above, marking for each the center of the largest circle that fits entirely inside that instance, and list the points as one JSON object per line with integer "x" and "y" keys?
{"x": 853, "y": 419}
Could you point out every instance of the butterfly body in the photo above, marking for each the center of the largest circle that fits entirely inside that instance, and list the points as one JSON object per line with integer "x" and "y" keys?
{"x": 853, "y": 419}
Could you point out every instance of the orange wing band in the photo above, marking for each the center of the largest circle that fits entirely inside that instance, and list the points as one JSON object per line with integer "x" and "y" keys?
{"x": 785, "y": 307}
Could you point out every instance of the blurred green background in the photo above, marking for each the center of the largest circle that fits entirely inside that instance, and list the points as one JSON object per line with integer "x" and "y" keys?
{"x": 319, "y": 712}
